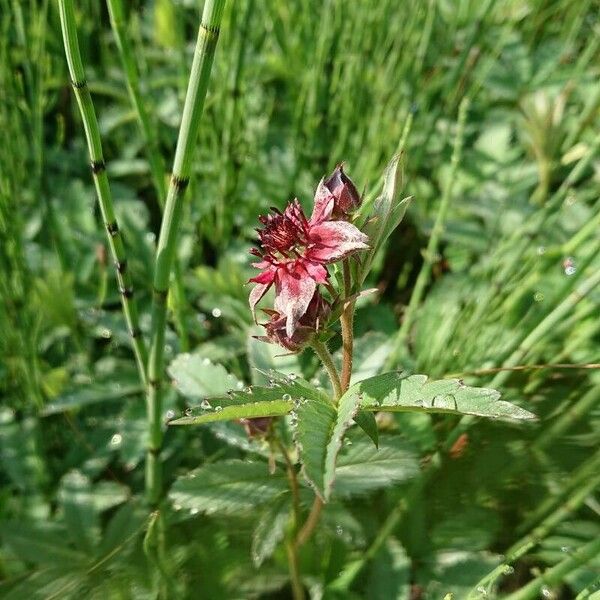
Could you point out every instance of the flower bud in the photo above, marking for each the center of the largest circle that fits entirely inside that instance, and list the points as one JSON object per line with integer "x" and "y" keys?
{"x": 340, "y": 186}
{"x": 313, "y": 320}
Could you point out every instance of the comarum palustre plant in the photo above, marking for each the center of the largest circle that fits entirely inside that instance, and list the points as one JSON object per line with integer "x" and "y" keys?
{"x": 317, "y": 267}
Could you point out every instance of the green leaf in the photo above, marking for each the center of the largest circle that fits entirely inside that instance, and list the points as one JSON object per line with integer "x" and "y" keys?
{"x": 270, "y": 530}
{"x": 273, "y": 408}
{"x": 42, "y": 543}
{"x": 228, "y": 487}
{"x": 364, "y": 468}
{"x": 366, "y": 421}
{"x": 256, "y": 401}
{"x": 197, "y": 377}
{"x": 397, "y": 391}
{"x": 77, "y": 501}
{"x": 386, "y": 215}
{"x": 313, "y": 422}
{"x": 346, "y": 411}
{"x": 390, "y": 572}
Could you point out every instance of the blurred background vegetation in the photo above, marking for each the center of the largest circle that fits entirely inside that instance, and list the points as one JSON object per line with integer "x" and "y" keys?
{"x": 298, "y": 87}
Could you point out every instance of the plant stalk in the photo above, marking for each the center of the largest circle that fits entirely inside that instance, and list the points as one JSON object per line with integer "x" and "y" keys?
{"x": 157, "y": 166}
{"x": 98, "y": 166}
{"x": 323, "y": 353}
{"x": 208, "y": 35}
{"x": 347, "y": 322}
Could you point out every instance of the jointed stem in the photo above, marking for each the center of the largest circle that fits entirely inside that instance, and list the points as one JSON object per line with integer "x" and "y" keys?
{"x": 194, "y": 102}
{"x": 98, "y": 166}
{"x": 157, "y": 167}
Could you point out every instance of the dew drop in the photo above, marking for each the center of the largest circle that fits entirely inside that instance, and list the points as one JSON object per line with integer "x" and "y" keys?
{"x": 482, "y": 590}
{"x": 508, "y": 570}
{"x": 569, "y": 266}
{"x": 538, "y": 297}
{"x": 188, "y": 412}
{"x": 218, "y": 408}
{"x": 206, "y": 362}
{"x": 205, "y": 404}
{"x": 116, "y": 440}
{"x": 105, "y": 333}
{"x": 170, "y": 414}
{"x": 194, "y": 510}
{"x": 541, "y": 250}
{"x": 286, "y": 397}
{"x": 177, "y": 506}
{"x": 546, "y": 592}
{"x": 339, "y": 530}
{"x": 292, "y": 376}
{"x": 216, "y": 313}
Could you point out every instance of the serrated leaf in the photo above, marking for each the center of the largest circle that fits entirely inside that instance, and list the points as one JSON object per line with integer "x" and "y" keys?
{"x": 397, "y": 391}
{"x": 315, "y": 420}
{"x": 256, "y": 401}
{"x": 253, "y": 410}
{"x": 197, "y": 377}
{"x": 364, "y": 468}
{"x": 269, "y": 530}
{"x": 228, "y": 487}
{"x": 346, "y": 411}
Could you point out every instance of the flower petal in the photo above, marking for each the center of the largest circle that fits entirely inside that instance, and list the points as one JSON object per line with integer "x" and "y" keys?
{"x": 266, "y": 277}
{"x": 324, "y": 203}
{"x": 293, "y": 293}
{"x": 259, "y": 290}
{"x": 317, "y": 271}
{"x": 335, "y": 240}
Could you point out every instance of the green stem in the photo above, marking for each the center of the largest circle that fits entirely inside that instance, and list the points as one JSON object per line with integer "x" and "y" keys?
{"x": 297, "y": 588}
{"x": 98, "y": 166}
{"x": 323, "y": 353}
{"x": 347, "y": 322}
{"x": 434, "y": 240}
{"x": 188, "y": 133}
{"x": 556, "y": 575}
{"x": 584, "y": 483}
{"x": 157, "y": 166}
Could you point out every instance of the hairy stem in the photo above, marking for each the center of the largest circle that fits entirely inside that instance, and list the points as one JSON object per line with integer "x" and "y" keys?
{"x": 347, "y": 322}
{"x": 297, "y": 588}
{"x": 194, "y": 103}
{"x": 291, "y": 546}
{"x": 98, "y": 166}
{"x": 323, "y": 353}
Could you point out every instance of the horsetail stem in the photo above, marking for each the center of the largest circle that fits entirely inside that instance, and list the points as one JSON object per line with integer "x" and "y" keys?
{"x": 157, "y": 166}
{"x": 98, "y": 167}
{"x": 208, "y": 35}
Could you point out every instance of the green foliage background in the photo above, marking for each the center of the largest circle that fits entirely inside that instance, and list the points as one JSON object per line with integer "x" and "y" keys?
{"x": 296, "y": 88}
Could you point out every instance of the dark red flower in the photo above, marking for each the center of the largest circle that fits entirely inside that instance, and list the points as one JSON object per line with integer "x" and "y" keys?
{"x": 312, "y": 321}
{"x": 337, "y": 195}
{"x": 294, "y": 252}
